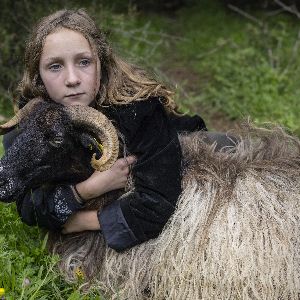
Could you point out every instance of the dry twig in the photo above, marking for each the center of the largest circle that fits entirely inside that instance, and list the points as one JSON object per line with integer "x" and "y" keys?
{"x": 246, "y": 15}
{"x": 291, "y": 9}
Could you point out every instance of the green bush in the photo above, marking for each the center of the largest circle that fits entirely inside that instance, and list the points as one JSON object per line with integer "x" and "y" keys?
{"x": 248, "y": 82}
{"x": 244, "y": 68}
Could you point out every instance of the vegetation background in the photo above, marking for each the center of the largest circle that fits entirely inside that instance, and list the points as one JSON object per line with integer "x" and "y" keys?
{"x": 224, "y": 61}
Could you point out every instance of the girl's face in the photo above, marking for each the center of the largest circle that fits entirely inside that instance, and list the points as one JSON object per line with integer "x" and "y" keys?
{"x": 68, "y": 68}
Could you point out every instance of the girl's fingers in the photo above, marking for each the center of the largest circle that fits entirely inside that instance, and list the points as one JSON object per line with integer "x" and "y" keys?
{"x": 125, "y": 162}
{"x": 130, "y": 159}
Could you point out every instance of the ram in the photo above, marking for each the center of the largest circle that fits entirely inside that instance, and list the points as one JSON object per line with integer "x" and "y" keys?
{"x": 234, "y": 234}
{"x": 49, "y": 136}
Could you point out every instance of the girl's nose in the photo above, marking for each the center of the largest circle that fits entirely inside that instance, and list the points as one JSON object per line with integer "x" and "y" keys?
{"x": 72, "y": 78}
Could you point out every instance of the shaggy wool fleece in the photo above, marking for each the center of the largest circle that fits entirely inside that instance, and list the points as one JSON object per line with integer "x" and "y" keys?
{"x": 234, "y": 235}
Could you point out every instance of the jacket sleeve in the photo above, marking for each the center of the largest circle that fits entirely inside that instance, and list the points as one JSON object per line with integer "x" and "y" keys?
{"x": 186, "y": 123}
{"x": 46, "y": 206}
{"x": 141, "y": 214}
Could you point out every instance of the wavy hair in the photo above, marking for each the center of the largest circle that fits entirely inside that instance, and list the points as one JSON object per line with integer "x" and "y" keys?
{"x": 121, "y": 82}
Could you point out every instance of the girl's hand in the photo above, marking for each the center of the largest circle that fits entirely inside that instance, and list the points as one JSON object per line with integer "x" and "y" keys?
{"x": 102, "y": 182}
{"x": 81, "y": 221}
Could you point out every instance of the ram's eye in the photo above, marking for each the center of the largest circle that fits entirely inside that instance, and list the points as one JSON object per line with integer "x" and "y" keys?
{"x": 56, "y": 141}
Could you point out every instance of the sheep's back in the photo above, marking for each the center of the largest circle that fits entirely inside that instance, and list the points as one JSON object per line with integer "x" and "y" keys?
{"x": 234, "y": 234}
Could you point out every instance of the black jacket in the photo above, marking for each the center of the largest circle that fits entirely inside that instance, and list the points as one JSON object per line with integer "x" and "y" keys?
{"x": 150, "y": 134}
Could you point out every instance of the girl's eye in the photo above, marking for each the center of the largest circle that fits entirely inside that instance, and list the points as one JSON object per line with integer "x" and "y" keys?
{"x": 55, "y": 67}
{"x": 85, "y": 62}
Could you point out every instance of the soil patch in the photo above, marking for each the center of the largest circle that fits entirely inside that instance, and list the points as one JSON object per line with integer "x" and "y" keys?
{"x": 189, "y": 82}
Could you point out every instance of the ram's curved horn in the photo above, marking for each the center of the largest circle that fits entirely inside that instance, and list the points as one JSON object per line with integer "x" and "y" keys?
{"x": 103, "y": 129}
{"x": 21, "y": 113}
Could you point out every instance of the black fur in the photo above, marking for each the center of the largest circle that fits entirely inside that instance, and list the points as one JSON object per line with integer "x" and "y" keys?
{"x": 48, "y": 148}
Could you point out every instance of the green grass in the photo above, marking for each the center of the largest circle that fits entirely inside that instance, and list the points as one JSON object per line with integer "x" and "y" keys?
{"x": 24, "y": 259}
{"x": 249, "y": 70}
{"x": 1, "y": 147}
{"x": 227, "y": 63}
{"x": 27, "y": 271}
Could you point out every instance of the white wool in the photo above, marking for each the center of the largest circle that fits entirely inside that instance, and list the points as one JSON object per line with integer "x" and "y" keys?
{"x": 234, "y": 234}
{"x": 250, "y": 250}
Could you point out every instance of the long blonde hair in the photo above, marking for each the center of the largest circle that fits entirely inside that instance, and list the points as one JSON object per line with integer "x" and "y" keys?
{"x": 121, "y": 82}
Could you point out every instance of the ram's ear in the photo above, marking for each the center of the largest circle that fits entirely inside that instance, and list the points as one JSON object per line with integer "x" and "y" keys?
{"x": 90, "y": 143}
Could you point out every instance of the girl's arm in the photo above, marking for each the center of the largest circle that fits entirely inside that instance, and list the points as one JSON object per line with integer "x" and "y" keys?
{"x": 50, "y": 206}
{"x": 141, "y": 214}
{"x": 55, "y": 206}
{"x": 96, "y": 185}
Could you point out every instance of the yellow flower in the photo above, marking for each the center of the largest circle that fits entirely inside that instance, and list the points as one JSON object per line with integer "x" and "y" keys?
{"x": 2, "y": 291}
{"x": 79, "y": 273}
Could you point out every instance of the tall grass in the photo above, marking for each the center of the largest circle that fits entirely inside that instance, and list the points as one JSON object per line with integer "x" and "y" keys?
{"x": 27, "y": 271}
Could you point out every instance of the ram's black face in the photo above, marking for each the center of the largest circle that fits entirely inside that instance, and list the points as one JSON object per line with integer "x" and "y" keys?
{"x": 46, "y": 150}
{"x": 23, "y": 164}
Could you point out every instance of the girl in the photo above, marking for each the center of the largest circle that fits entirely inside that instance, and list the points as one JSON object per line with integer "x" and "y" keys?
{"x": 67, "y": 60}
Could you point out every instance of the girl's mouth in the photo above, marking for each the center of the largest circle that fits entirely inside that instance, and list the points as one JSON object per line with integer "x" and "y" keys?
{"x": 74, "y": 95}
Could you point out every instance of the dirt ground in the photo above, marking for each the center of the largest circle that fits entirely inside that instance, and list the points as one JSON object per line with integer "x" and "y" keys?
{"x": 189, "y": 82}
